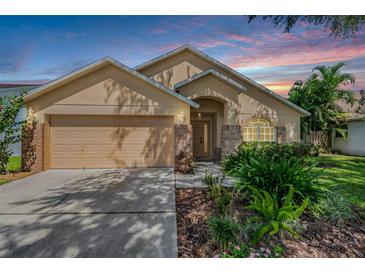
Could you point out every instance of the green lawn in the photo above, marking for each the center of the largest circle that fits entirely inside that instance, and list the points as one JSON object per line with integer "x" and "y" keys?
{"x": 345, "y": 174}
{"x": 14, "y": 165}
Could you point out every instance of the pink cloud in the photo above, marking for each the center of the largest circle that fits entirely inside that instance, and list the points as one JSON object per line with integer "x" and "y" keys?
{"x": 213, "y": 43}
{"x": 240, "y": 38}
{"x": 159, "y": 31}
{"x": 307, "y": 47}
{"x": 295, "y": 55}
{"x": 281, "y": 88}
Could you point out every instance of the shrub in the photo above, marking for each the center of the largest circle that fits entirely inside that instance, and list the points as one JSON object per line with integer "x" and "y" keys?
{"x": 210, "y": 180}
{"x": 250, "y": 226}
{"x": 274, "y": 175}
{"x": 223, "y": 200}
{"x": 224, "y": 230}
{"x": 220, "y": 194}
{"x": 335, "y": 208}
{"x": 236, "y": 251}
{"x": 246, "y": 251}
{"x": 276, "y": 217}
{"x": 246, "y": 151}
{"x": 10, "y": 127}
{"x": 184, "y": 162}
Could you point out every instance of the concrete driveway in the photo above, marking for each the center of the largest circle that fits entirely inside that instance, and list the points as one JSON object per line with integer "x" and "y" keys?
{"x": 92, "y": 213}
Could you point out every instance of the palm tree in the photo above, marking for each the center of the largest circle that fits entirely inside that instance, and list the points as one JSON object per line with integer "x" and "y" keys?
{"x": 320, "y": 95}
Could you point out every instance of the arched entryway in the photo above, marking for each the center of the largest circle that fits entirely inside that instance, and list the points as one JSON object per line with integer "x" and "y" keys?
{"x": 206, "y": 124}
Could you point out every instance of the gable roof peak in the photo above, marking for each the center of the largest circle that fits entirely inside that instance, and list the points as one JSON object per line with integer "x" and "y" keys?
{"x": 99, "y": 63}
{"x": 215, "y": 74}
{"x": 226, "y": 68}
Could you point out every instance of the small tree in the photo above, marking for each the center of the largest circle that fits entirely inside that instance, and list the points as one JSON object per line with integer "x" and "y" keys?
{"x": 10, "y": 129}
{"x": 320, "y": 95}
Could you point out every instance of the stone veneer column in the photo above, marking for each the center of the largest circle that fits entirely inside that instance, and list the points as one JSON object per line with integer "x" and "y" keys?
{"x": 33, "y": 148}
{"x": 230, "y": 138}
{"x": 183, "y": 139}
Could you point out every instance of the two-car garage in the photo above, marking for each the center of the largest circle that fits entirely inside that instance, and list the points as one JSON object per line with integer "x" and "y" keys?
{"x": 90, "y": 141}
{"x": 105, "y": 115}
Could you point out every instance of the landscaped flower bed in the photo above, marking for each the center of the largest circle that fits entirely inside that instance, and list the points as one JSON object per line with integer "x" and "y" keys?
{"x": 277, "y": 208}
{"x": 319, "y": 239}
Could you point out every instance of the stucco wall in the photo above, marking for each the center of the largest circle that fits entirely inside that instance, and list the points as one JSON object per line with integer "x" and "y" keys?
{"x": 109, "y": 91}
{"x": 240, "y": 107}
{"x": 354, "y": 144}
{"x": 176, "y": 69}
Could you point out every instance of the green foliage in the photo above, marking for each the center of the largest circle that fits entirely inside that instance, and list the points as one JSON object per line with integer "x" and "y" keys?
{"x": 236, "y": 251}
{"x": 231, "y": 163}
{"x": 224, "y": 230}
{"x": 339, "y": 26}
{"x": 250, "y": 226}
{"x": 320, "y": 95}
{"x": 210, "y": 180}
{"x": 275, "y": 175}
{"x": 221, "y": 195}
{"x": 345, "y": 175}
{"x": 9, "y": 127}
{"x": 274, "y": 168}
{"x": 276, "y": 215}
{"x": 334, "y": 207}
{"x": 14, "y": 164}
{"x": 246, "y": 251}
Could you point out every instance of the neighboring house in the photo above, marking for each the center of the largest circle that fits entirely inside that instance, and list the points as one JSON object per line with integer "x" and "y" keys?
{"x": 354, "y": 141}
{"x": 108, "y": 115}
{"x": 11, "y": 90}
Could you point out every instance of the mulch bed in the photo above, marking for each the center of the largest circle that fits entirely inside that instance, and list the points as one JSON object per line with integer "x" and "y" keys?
{"x": 319, "y": 238}
{"x": 193, "y": 210}
{"x": 15, "y": 175}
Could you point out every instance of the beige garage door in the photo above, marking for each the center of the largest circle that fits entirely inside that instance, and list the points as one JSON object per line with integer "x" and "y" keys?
{"x": 111, "y": 141}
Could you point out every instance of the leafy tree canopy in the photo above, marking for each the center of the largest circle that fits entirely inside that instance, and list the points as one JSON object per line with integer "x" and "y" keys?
{"x": 320, "y": 95}
{"x": 339, "y": 26}
{"x": 10, "y": 128}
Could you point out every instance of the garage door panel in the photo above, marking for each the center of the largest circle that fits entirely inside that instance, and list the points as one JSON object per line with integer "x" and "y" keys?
{"x": 91, "y": 141}
{"x": 110, "y": 133}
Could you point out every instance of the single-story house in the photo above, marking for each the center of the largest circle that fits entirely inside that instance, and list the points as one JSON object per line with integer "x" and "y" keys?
{"x": 353, "y": 143}
{"x": 107, "y": 115}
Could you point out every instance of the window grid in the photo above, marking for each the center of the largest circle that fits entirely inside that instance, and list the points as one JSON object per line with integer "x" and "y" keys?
{"x": 259, "y": 130}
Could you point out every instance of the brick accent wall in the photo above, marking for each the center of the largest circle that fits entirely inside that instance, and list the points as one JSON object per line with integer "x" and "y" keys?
{"x": 230, "y": 138}
{"x": 32, "y": 148}
{"x": 183, "y": 139}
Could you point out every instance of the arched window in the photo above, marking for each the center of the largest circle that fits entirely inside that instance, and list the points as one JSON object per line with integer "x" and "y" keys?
{"x": 258, "y": 129}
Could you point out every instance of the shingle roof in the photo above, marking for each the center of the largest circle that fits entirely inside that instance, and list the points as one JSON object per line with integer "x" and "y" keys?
{"x": 214, "y": 73}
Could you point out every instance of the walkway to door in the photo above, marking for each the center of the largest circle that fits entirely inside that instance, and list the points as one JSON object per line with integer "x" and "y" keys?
{"x": 195, "y": 179}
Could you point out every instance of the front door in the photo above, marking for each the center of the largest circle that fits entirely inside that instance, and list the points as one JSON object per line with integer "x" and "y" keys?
{"x": 201, "y": 139}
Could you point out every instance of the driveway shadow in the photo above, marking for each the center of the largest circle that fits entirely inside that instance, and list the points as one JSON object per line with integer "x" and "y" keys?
{"x": 110, "y": 213}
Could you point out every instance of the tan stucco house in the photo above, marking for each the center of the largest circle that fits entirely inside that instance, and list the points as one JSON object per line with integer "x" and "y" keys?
{"x": 108, "y": 115}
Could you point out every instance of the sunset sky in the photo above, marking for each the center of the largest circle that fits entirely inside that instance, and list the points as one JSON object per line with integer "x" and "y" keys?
{"x": 41, "y": 48}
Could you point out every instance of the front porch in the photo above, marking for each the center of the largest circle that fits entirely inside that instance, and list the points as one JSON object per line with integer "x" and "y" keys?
{"x": 213, "y": 135}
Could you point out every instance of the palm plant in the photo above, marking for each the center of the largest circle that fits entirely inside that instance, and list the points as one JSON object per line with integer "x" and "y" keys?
{"x": 320, "y": 95}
